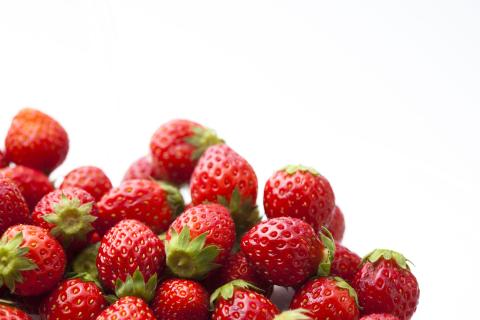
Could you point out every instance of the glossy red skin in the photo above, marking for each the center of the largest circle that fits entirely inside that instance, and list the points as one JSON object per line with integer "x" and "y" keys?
{"x": 378, "y": 316}
{"x": 218, "y": 172}
{"x": 143, "y": 200}
{"x": 345, "y": 263}
{"x": 245, "y": 304}
{"x": 13, "y": 208}
{"x": 12, "y": 313}
{"x": 127, "y": 308}
{"x": 213, "y": 219}
{"x": 46, "y": 252}
{"x": 32, "y": 183}
{"x": 142, "y": 169}
{"x": 285, "y": 251}
{"x": 301, "y": 195}
{"x": 384, "y": 287}
{"x": 36, "y": 140}
{"x": 89, "y": 178}
{"x": 127, "y": 246}
{"x": 325, "y": 300}
{"x": 179, "y": 299}
{"x": 336, "y": 226}
{"x": 3, "y": 160}
{"x": 74, "y": 299}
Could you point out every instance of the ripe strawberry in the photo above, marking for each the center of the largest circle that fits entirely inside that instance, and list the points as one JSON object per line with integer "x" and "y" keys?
{"x": 198, "y": 239}
{"x": 31, "y": 260}
{"x": 142, "y": 169}
{"x": 91, "y": 179}
{"x": 337, "y": 225}
{"x": 224, "y": 177}
{"x": 73, "y": 299}
{"x": 127, "y": 308}
{"x": 299, "y": 192}
{"x": 3, "y": 160}
{"x": 12, "y": 313}
{"x": 176, "y": 147}
{"x": 32, "y": 183}
{"x": 179, "y": 299}
{"x": 128, "y": 246}
{"x": 327, "y": 298}
{"x": 36, "y": 140}
{"x": 155, "y": 204}
{"x": 345, "y": 263}
{"x": 284, "y": 250}
{"x": 378, "y": 316}
{"x": 13, "y": 208}
{"x": 385, "y": 285}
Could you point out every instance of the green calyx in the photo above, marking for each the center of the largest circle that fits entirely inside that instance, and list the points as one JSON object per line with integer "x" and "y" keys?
{"x": 71, "y": 219}
{"x": 136, "y": 286}
{"x": 13, "y": 261}
{"x": 85, "y": 262}
{"x": 386, "y": 254}
{"x": 226, "y": 291}
{"x": 86, "y": 277}
{"x": 174, "y": 197}
{"x": 325, "y": 265}
{"x": 344, "y": 285}
{"x": 297, "y": 314}
{"x": 201, "y": 139}
{"x": 190, "y": 258}
{"x": 291, "y": 169}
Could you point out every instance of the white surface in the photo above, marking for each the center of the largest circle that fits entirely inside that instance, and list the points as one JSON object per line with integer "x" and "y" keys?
{"x": 382, "y": 98}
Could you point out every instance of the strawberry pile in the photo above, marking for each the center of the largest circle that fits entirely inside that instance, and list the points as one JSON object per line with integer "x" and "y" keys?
{"x": 89, "y": 250}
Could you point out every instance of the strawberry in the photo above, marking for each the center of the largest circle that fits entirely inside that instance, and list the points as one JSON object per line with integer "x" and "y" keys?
{"x": 327, "y": 298}
{"x": 91, "y": 179}
{"x": 3, "y": 160}
{"x": 155, "y": 204}
{"x": 299, "y": 192}
{"x": 385, "y": 284}
{"x": 127, "y": 308}
{"x": 73, "y": 299}
{"x": 345, "y": 263}
{"x": 36, "y": 140}
{"x": 32, "y": 183}
{"x": 32, "y": 262}
{"x": 142, "y": 169}
{"x": 337, "y": 224}
{"x": 285, "y": 251}
{"x": 13, "y": 208}
{"x": 179, "y": 299}
{"x": 176, "y": 147}
{"x": 198, "y": 240}
{"x": 224, "y": 177}
{"x": 12, "y": 313}
{"x": 379, "y": 316}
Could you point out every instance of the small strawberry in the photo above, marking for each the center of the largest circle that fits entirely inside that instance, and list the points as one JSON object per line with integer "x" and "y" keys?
{"x": 73, "y": 299}
{"x": 379, "y": 316}
{"x": 12, "y": 313}
{"x": 385, "y": 284}
{"x": 223, "y": 176}
{"x": 337, "y": 224}
{"x": 345, "y": 263}
{"x": 299, "y": 192}
{"x": 198, "y": 240}
{"x": 36, "y": 140}
{"x": 3, "y": 160}
{"x": 179, "y": 299}
{"x": 127, "y": 308}
{"x": 32, "y": 262}
{"x": 155, "y": 204}
{"x": 327, "y": 298}
{"x": 32, "y": 183}
{"x": 142, "y": 169}
{"x": 13, "y": 208}
{"x": 91, "y": 179}
{"x": 176, "y": 147}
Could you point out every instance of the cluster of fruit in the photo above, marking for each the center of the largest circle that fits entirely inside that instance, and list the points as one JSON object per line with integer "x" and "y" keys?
{"x": 87, "y": 250}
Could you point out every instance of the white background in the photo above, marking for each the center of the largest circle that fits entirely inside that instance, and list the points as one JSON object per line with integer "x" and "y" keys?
{"x": 382, "y": 97}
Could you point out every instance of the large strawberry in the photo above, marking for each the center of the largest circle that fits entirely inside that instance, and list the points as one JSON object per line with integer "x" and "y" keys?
{"x": 198, "y": 240}
{"x": 385, "y": 284}
{"x": 176, "y": 147}
{"x": 11, "y": 313}
{"x": 13, "y": 208}
{"x": 345, "y": 263}
{"x": 36, "y": 140}
{"x": 299, "y": 192}
{"x": 32, "y": 262}
{"x": 89, "y": 178}
{"x": 3, "y": 160}
{"x": 32, "y": 183}
{"x": 142, "y": 169}
{"x": 224, "y": 177}
{"x": 379, "y": 316}
{"x": 180, "y": 299}
{"x": 337, "y": 225}
{"x": 154, "y": 203}
{"x": 127, "y": 308}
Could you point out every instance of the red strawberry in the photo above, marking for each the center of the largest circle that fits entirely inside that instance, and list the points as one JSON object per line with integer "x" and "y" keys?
{"x": 31, "y": 260}
{"x": 337, "y": 225}
{"x": 198, "y": 239}
{"x": 176, "y": 147}
{"x": 32, "y": 183}
{"x": 178, "y": 299}
{"x": 12, "y": 313}
{"x": 345, "y": 263}
{"x": 284, "y": 250}
{"x": 13, "y": 208}
{"x": 299, "y": 192}
{"x": 142, "y": 169}
{"x": 127, "y": 308}
{"x": 73, "y": 299}
{"x": 385, "y": 285}
{"x": 3, "y": 160}
{"x": 91, "y": 179}
{"x": 36, "y": 140}
{"x": 327, "y": 298}
{"x": 155, "y": 204}
{"x": 378, "y": 316}
{"x": 224, "y": 177}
